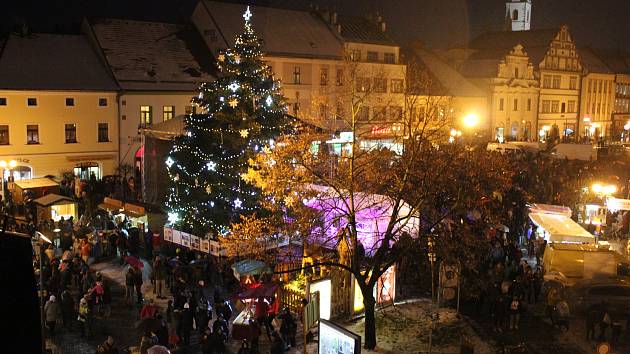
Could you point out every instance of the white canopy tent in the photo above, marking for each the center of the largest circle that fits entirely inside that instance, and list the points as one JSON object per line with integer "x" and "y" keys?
{"x": 560, "y": 228}
{"x": 615, "y": 204}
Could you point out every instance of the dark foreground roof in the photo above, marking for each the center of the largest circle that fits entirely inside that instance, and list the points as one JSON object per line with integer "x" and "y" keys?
{"x": 362, "y": 30}
{"x": 52, "y": 62}
{"x": 153, "y": 55}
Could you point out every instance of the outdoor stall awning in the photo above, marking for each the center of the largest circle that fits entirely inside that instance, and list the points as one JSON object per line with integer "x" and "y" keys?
{"x": 52, "y": 199}
{"x": 249, "y": 267}
{"x": 550, "y": 209}
{"x": 133, "y": 210}
{"x": 615, "y": 204}
{"x": 255, "y": 291}
{"x": 111, "y": 204}
{"x": 36, "y": 183}
{"x": 561, "y": 228}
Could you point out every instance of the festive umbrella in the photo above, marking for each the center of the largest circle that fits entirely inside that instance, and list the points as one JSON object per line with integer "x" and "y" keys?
{"x": 249, "y": 267}
{"x": 134, "y": 262}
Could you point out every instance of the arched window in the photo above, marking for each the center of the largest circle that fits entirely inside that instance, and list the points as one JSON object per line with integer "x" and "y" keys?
{"x": 515, "y": 15}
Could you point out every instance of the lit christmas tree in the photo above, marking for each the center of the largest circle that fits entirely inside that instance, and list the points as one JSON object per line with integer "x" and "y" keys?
{"x": 244, "y": 112}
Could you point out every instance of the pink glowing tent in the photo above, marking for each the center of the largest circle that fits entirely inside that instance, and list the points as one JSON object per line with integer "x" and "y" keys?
{"x": 373, "y": 215}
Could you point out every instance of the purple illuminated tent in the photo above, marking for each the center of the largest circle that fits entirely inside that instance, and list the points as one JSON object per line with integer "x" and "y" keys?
{"x": 373, "y": 213}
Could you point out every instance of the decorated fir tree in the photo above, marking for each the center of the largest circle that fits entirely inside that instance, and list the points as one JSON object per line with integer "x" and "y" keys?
{"x": 244, "y": 112}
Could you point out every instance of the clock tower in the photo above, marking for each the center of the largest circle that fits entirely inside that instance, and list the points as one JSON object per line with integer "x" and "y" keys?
{"x": 518, "y": 15}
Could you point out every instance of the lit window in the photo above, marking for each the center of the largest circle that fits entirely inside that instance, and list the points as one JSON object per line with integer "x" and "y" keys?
{"x": 555, "y": 106}
{"x": 32, "y": 134}
{"x": 323, "y": 77}
{"x": 297, "y": 75}
{"x": 339, "y": 78}
{"x": 380, "y": 85}
{"x": 103, "y": 132}
{"x": 168, "y": 112}
{"x": 71, "y": 133}
{"x": 4, "y": 134}
{"x": 397, "y": 86}
{"x": 69, "y": 101}
{"x": 146, "y": 117}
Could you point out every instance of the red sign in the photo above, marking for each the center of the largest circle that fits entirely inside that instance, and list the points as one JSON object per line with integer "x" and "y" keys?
{"x": 381, "y": 130}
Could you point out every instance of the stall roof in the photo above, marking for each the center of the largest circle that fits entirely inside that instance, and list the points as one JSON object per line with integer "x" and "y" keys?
{"x": 265, "y": 290}
{"x": 36, "y": 183}
{"x": 562, "y": 228}
{"x": 52, "y": 199}
{"x": 618, "y": 204}
{"x": 550, "y": 209}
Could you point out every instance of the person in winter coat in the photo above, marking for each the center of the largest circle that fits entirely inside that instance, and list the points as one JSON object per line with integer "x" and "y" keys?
{"x": 162, "y": 332}
{"x": 85, "y": 316}
{"x": 67, "y": 309}
{"x": 201, "y": 313}
{"x": 52, "y": 313}
{"x": 515, "y": 312}
{"x": 288, "y": 327}
{"x": 187, "y": 324}
{"x": 159, "y": 274}
{"x": 129, "y": 285}
{"x": 277, "y": 344}
{"x": 146, "y": 342}
{"x": 148, "y": 310}
{"x": 137, "y": 280}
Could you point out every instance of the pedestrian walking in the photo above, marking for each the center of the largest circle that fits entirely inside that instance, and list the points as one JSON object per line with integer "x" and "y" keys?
{"x": 515, "y": 313}
{"x": 67, "y": 309}
{"x": 129, "y": 285}
{"x": 159, "y": 274}
{"x": 137, "y": 280}
{"x": 52, "y": 313}
{"x": 187, "y": 324}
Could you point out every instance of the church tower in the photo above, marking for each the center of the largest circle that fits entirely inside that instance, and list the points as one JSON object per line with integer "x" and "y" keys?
{"x": 518, "y": 15}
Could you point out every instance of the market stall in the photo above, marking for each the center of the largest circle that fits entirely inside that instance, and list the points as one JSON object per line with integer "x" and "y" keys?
{"x": 136, "y": 215}
{"x": 111, "y": 205}
{"x": 251, "y": 296}
{"x": 38, "y": 187}
{"x": 557, "y": 228}
{"x": 55, "y": 207}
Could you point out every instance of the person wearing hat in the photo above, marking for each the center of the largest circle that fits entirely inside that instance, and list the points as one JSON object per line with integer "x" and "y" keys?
{"x": 52, "y": 313}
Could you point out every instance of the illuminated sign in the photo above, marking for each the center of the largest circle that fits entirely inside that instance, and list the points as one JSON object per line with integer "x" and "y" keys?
{"x": 334, "y": 339}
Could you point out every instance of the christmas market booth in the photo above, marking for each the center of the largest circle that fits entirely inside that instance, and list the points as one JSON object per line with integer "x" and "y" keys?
{"x": 557, "y": 226}
{"x": 136, "y": 215}
{"x": 34, "y": 188}
{"x": 256, "y": 296}
{"x": 55, "y": 207}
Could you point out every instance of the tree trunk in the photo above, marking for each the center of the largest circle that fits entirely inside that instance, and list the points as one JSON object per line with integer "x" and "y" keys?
{"x": 370, "y": 321}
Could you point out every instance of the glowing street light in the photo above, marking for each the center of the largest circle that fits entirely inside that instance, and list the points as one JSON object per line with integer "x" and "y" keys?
{"x": 605, "y": 190}
{"x": 471, "y": 120}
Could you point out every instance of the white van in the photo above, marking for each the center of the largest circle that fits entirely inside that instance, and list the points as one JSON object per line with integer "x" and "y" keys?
{"x": 584, "y": 152}
{"x": 504, "y": 148}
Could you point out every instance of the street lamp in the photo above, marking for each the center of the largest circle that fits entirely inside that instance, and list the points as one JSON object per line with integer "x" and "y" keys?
{"x": 605, "y": 190}
{"x": 471, "y": 120}
{"x": 3, "y": 166}
{"x": 42, "y": 239}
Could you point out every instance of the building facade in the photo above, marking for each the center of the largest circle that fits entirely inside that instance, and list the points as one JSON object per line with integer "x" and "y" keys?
{"x": 560, "y": 85}
{"x": 158, "y": 67}
{"x": 514, "y": 98}
{"x": 57, "y": 115}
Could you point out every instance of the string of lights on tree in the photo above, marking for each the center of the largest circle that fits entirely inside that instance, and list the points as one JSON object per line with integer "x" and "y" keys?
{"x": 244, "y": 112}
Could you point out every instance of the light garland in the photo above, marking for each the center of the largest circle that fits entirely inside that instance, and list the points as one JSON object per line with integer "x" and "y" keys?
{"x": 244, "y": 112}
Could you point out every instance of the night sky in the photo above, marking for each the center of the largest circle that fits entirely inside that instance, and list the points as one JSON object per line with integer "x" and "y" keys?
{"x": 437, "y": 23}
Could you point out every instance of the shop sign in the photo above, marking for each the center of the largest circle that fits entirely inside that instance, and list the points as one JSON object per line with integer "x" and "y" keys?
{"x": 177, "y": 237}
{"x": 113, "y": 202}
{"x": 376, "y": 130}
{"x": 205, "y": 246}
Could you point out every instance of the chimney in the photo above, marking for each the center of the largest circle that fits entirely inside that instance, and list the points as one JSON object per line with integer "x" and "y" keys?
{"x": 333, "y": 18}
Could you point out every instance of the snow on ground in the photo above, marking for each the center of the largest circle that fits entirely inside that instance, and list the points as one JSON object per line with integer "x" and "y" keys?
{"x": 405, "y": 328}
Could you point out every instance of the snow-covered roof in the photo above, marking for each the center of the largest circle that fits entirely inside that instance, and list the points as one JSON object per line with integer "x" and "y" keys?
{"x": 153, "y": 55}
{"x": 287, "y": 33}
{"x": 363, "y": 30}
{"x": 52, "y": 62}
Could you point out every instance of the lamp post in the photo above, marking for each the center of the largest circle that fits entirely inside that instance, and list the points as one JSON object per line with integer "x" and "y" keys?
{"x": 432, "y": 258}
{"x": 42, "y": 239}
{"x": 3, "y": 166}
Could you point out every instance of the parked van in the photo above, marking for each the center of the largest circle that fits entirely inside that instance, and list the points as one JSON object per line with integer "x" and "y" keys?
{"x": 585, "y": 152}
{"x": 504, "y": 148}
